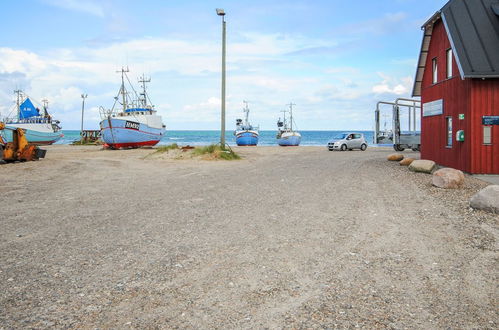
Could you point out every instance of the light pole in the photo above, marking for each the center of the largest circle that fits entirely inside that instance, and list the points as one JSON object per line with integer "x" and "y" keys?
{"x": 83, "y": 97}
{"x": 220, "y": 12}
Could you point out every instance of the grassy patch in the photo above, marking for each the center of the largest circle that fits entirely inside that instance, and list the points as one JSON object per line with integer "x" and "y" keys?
{"x": 166, "y": 148}
{"x": 215, "y": 151}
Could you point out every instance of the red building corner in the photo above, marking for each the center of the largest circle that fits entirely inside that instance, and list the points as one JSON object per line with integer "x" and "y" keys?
{"x": 458, "y": 81}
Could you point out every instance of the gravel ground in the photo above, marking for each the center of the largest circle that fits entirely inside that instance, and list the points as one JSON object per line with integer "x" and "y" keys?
{"x": 286, "y": 237}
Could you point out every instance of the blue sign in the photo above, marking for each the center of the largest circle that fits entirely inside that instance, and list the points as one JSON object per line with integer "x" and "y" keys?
{"x": 490, "y": 120}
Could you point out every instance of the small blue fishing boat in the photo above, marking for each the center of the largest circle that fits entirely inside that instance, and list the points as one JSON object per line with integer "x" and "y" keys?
{"x": 286, "y": 136}
{"x": 39, "y": 127}
{"x": 246, "y": 134}
{"x": 135, "y": 123}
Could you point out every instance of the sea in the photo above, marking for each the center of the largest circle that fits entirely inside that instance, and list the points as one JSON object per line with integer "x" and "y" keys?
{"x": 200, "y": 138}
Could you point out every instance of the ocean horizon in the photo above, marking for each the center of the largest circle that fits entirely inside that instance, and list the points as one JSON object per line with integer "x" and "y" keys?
{"x": 207, "y": 137}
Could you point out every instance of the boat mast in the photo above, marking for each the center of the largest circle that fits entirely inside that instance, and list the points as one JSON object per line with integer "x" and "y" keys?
{"x": 246, "y": 110}
{"x": 285, "y": 124}
{"x": 291, "y": 114}
{"x": 45, "y": 107}
{"x": 122, "y": 89}
{"x": 18, "y": 103}
{"x": 143, "y": 81}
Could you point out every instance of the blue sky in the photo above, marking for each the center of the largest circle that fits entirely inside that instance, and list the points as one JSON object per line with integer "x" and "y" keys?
{"x": 335, "y": 59}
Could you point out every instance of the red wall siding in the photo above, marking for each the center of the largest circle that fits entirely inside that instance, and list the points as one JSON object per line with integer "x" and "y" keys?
{"x": 484, "y": 102}
{"x": 456, "y": 95}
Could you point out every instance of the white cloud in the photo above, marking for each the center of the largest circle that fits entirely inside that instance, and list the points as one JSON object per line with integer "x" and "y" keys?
{"x": 392, "y": 85}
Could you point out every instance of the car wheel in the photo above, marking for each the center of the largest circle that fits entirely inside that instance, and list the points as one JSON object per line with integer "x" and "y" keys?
{"x": 343, "y": 147}
{"x": 363, "y": 147}
{"x": 398, "y": 147}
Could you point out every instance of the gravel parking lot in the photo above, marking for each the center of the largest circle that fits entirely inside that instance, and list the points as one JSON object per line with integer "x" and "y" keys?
{"x": 286, "y": 237}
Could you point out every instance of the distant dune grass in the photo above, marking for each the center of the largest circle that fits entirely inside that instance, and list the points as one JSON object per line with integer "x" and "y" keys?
{"x": 215, "y": 151}
{"x": 166, "y": 148}
{"x": 210, "y": 152}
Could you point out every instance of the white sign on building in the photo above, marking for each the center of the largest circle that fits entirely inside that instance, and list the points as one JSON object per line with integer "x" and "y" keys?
{"x": 433, "y": 108}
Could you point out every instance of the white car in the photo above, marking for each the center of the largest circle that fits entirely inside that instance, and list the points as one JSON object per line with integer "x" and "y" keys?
{"x": 347, "y": 141}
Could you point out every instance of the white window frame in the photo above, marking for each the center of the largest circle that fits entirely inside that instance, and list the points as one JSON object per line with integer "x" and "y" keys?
{"x": 449, "y": 55}
{"x": 448, "y": 129}
{"x": 487, "y": 135}
{"x": 434, "y": 66}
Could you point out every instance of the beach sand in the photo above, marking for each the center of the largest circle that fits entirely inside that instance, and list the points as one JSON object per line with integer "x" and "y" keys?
{"x": 286, "y": 237}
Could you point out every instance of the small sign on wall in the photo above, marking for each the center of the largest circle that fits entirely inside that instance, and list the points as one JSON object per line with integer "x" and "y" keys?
{"x": 433, "y": 108}
{"x": 461, "y": 116}
{"x": 490, "y": 120}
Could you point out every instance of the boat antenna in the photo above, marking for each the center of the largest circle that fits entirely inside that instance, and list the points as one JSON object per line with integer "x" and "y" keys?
{"x": 246, "y": 111}
{"x": 291, "y": 113}
{"x": 122, "y": 89}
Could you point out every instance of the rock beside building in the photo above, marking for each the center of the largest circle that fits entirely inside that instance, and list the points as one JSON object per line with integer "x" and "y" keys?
{"x": 448, "y": 178}
{"x": 406, "y": 161}
{"x": 486, "y": 199}
{"x": 422, "y": 165}
{"x": 395, "y": 157}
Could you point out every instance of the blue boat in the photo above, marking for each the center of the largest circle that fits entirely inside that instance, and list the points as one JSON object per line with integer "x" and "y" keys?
{"x": 133, "y": 125}
{"x": 246, "y": 134}
{"x": 39, "y": 127}
{"x": 286, "y": 136}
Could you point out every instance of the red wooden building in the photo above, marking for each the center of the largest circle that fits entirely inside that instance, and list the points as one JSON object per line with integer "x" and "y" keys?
{"x": 458, "y": 81}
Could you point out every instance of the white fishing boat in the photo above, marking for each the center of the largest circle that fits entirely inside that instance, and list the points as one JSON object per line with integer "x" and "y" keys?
{"x": 286, "y": 136}
{"x": 246, "y": 134}
{"x": 133, "y": 124}
{"x": 38, "y": 125}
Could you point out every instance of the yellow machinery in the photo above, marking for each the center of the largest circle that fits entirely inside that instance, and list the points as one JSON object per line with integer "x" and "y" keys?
{"x": 19, "y": 149}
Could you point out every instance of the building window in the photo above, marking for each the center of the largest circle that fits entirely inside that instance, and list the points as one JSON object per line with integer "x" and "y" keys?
{"x": 435, "y": 71}
{"x": 449, "y": 131}
{"x": 449, "y": 63}
{"x": 487, "y": 135}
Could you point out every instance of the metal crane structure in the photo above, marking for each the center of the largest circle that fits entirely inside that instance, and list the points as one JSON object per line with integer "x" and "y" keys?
{"x": 401, "y": 139}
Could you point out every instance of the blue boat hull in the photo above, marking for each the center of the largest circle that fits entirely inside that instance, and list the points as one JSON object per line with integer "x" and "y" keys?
{"x": 289, "y": 141}
{"x": 34, "y": 137}
{"x": 246, "y": 139}
{"x": 118, "y": 134}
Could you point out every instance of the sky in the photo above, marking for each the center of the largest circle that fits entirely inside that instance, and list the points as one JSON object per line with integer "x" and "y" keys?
{"x": 334, "y": 59}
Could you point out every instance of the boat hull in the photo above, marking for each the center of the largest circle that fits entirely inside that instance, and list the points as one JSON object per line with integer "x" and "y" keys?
{"x": 247, "y": 138}
{"x": 41, "y": 136}
{"x": 289, "y": 140}
{"x": 119, "y": 133}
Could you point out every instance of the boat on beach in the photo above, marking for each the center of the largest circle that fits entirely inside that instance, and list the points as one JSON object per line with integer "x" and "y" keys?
{"x": 246, "y": 134}
{"x": 38, "y": 125}
{"x": 134, "y": 122}
{"x": 286, "y": 136}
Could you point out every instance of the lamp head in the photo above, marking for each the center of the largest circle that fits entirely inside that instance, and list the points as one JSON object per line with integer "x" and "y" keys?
{"x": 220, "y": 12}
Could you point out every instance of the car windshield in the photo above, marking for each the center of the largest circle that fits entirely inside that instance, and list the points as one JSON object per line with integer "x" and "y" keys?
{"x": 340, "y": 137}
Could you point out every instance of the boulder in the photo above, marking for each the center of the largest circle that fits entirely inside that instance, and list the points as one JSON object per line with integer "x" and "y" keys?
{"x": 422, "y": 165}
{"x": 486, "y": 199}
{"x": 448, "y": 178}
{"x": 406, "y": 161}
{"x": 395, "y": 157}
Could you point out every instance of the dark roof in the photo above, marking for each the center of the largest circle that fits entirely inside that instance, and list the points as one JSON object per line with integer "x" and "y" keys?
{"x": 473, "y": 30}
{"x": 472, "y": 27}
